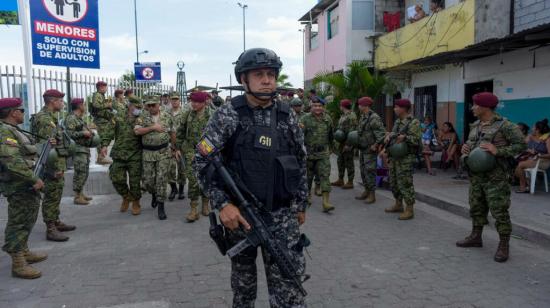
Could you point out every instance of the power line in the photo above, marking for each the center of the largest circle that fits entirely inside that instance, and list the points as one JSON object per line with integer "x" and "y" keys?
{"x": 411, "y": 38}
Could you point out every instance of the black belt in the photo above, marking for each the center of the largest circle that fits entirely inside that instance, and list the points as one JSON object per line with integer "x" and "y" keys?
{"x": 280, "y": 204}
{"x": 155, "y": 147}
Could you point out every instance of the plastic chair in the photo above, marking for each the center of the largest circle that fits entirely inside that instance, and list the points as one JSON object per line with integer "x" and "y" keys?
{"x": 532, "y": 175}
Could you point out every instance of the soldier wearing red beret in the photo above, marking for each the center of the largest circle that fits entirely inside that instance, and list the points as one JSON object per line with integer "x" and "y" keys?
{"x": 101, "y": 110}
{"x": 46, "y": 123}
{"x": 347, "y": 123}
{"x": 406, "y": 130}
{"x": 490, "y": 190}
{"x": 119, "y": 103}
{"x": 371, "y": 132}
{"x": 16, "y": 155}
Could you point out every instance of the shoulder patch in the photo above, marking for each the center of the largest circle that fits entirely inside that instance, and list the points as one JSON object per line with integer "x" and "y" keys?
{"x": 11, "y": 142}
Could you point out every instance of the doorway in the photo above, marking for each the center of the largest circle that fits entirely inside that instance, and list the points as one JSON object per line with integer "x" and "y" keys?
{"x": 470, "y": 90}
{"x": 425, "y": 103}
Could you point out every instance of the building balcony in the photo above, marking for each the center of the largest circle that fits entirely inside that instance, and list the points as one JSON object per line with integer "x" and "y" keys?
{"x": 451, "y": 29}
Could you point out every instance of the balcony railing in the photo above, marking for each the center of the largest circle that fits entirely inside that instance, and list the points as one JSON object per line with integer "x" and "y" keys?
{"x": 450, "y": 29}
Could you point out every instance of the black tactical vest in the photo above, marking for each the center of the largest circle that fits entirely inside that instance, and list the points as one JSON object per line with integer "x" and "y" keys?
{"x": 264, "y": 155}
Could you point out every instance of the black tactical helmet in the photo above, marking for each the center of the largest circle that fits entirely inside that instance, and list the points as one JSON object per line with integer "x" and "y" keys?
{"x": 257, "y": 58}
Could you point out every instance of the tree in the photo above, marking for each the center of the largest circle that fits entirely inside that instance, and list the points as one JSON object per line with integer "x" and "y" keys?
{"x": 353, "y": 83}
{"x": 282, "y": 81}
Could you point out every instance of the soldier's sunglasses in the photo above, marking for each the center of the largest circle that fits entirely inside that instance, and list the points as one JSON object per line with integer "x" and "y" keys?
{"x": 21, "y": 109}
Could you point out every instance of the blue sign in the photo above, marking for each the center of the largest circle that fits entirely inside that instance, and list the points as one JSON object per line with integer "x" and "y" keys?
{"x": 8, "y": 5}
{"x": 147, "y": 72}
{"x": 8, "y": 12}
{"x": 65, "y": 33}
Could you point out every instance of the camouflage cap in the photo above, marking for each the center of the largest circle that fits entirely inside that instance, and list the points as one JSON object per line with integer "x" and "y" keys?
{"x": 295, "y": 102}
{"x": 151, "y": 100}
{"x": 175, "y": 95}
{"x": 134, "y": 100}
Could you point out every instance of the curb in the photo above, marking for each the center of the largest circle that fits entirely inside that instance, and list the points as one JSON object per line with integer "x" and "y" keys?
{"x": 518, "y": 230}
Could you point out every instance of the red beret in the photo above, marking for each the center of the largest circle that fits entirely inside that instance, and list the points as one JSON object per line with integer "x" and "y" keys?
{"x": 291, "y": 93}
{"x": 405, "y": 103}
{"x": 119, "y": 91}
{"x": 365, "y": 101}
{"x": 199, "y": 97}
{"x": 346, "y": 103}
{"x": 53, "y": 93}
{"x": 486, "y": 99}
{"x": 77, "y": 101}
{"x": 100, "y": 84}
{"x": 11, "y": 102}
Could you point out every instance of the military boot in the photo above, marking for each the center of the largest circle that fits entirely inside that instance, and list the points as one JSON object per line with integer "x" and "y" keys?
{"x": 52, "y": 234}
{"x": 161, "y": 213}
{"x": 338, "y": 183}
{"x": 181, "y": 194}
{"x": 193, "y": 215}
{"x": 80, "y": 200}
{"x": 88, "y": 198}
{"x": 154, "y": 201}
{"x": 173, "y": 191}
{"x": 34, "y": 257}
{"x": 318, "y": 192}
{"x": 62, "y": 227}
{"x": 327, "y": 207}
{"x": 348, "y": 185}
{"x": 136, "y": 208}
{"x": 21, "y": 269}
{"x": 205, "y": 206}
{"x": 503, "y": 250}
{"x": 371, "y": 198}
{"x": 408, "y": 213}
{"x": 396, "y": 208}
{"x": 472, "y": 240}
{"x": 363, "y": 195}
{"x": 125, "y": 204}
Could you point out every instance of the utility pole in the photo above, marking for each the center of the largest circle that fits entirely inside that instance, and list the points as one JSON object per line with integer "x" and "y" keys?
{"x": 244, "y": 7}
{"x": 136, "y": 27}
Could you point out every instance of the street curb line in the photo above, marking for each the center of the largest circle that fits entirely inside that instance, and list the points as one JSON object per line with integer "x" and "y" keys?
{"x": 518, "y": 230}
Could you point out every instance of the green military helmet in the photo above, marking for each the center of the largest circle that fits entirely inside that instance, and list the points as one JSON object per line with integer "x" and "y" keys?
{"x": 339, "y": 135}
{"x": 398, "y": 150}
{"x": 362, "y": 144}
{"x": 480, "y": 161}
{"x": 94, "y": 141}
{"x": 295, "y": 102}
{"x": 52, "y": 158}
{"x": 353, "y": 138}
{"x": 71, "y": 147}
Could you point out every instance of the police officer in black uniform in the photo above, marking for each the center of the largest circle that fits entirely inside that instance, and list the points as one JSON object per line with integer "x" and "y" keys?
{"x": 260, "y": 142}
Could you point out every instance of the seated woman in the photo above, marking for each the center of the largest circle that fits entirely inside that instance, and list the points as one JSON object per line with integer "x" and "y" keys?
{"x": 428, "y": 132}
{"x": 538, "y": 145}
{"x": 419, "y": 13}
{"x": 450, "y": 143}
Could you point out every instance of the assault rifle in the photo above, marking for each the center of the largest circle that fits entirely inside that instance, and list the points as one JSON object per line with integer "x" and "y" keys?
{"x": 40, "y": 167}
{"x": 259, "y": 234}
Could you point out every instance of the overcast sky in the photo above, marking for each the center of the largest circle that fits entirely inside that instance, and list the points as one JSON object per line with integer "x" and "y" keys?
{"x": 205, "y": 34}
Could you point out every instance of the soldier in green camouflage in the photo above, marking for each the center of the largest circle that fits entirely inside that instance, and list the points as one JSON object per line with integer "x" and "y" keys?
{"x": 125, "y": 171}
{"x": 347, "y": 123}
{"x": 490, "y": 191}
{"x": 176, "y": 177}
{"x": 20, "y": 186}
{"x": 217, "y": 101}
{"x": 298, "y": 105}
{"x": 190, "y": 130}
{"x": 317, "y": 127}
{"x": 119, "y": 104}
{"x": 406, "y": 130}
{"x": 157, "y": 134}
{"x": 46, "y": 124}
{"x": 101, "y": 108}
{"x": 82, "y": 135}
{"x": 371, "y": 136}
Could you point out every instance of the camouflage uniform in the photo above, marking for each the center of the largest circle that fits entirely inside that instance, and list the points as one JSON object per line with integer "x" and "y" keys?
{"x": 317, "y": 139}
{"x": 119, "y": 105}
{"x": 156, "y": 153}
{"x": 125, "y": 171}
{"x": 347, "y": 123}
{"x": 177, "y": 168}
{"x": 76, "y": 127}
{"x": 371, "y": 132}
{"x": 491, "y": 191}
{"x": 189, "y": 132}
{"x": 401, "y": 171}
{"x": 222, "y": 126}
{"x": 16, "y": 180}
{"x": 103, "y": 118}
{"x": 44, "y": 124}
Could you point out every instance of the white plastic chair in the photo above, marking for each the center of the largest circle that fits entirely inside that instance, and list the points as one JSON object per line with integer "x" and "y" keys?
{"x": 532, "y": 175}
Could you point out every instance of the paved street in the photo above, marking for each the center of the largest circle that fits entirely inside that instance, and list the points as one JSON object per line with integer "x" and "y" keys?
{"x": 361, "y": 257}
